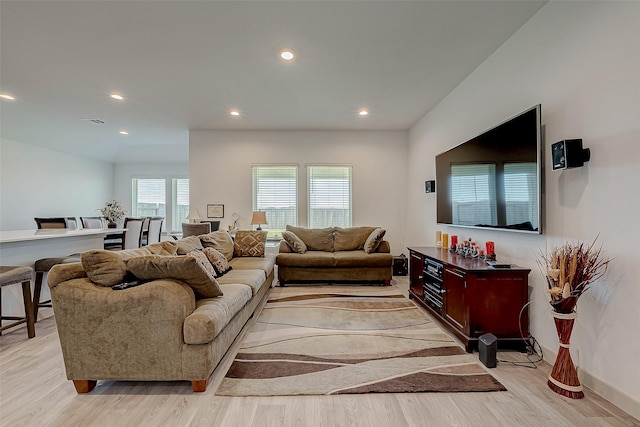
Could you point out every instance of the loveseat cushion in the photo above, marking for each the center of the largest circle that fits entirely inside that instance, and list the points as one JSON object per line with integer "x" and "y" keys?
{"x": 184, "y": 268}
{"x": 219, "y": 240}
{"x": 316, "y": 239}
{"x": 374, "y": 240}
{"x": 249, "y": 243}
{"x": 295, "y": 243}
{"x": 362, "y": 259}
{"x": 252, "y": 278}
{"x": 352, "y": 238}
{"x": 188, "y": 244}
{"x": 212, "y": 314}
{"x": 308, "y": 259}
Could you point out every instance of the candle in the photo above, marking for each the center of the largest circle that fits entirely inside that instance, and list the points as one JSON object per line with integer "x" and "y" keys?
{"x": 445, "y": 240}
{"x": 454, "y": 241}
{"x": 490, "y": 248}
{"x": 438, "y": 238}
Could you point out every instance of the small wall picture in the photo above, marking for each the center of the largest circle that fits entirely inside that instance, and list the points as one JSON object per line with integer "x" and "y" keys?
{"x": 215, "y": 211}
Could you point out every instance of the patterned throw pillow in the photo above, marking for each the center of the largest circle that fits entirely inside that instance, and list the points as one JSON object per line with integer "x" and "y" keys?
{"x": 203, "y": 260}
{"x": 218, "y": 261}
{"x": 374, "y": 240}
{"x": 249, "y": 243}
{"x": 294, "y": 242}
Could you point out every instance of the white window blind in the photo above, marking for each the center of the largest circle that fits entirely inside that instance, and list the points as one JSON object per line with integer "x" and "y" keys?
{"x": 473, "y": 194}
{"x": 179, "y": 202}
{"x": 275, "y": 191}
{"x": 521, "y": 193}
{"x": 329, "y": 192}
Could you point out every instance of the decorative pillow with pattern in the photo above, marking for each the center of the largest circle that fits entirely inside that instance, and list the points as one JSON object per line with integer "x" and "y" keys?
{"x": 203, "y": 260}
{"x": 249, "y": 243}
{"x": 374, "y": 240}
{"x": 218, "y": 261}
{"x": 295, "y": 243}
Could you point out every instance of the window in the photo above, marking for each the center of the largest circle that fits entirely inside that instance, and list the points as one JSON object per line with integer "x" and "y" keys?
{"x": 275, "y": 191}
{"x": 149, "y": 198}
{"x": 329, "y": 192}
{"x": 473, "y": 194}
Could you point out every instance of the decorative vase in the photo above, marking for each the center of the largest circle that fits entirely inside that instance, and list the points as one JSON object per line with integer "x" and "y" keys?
{"x": 111, "y": 224}
{"x": 563, "y": 378}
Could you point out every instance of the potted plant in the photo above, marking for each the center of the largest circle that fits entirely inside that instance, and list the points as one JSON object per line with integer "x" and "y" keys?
{"x": 570, "y": 270}
{"x": 113, "y": 212}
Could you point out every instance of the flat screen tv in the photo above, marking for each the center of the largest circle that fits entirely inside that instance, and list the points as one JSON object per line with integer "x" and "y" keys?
{"x": 495, "y": 179}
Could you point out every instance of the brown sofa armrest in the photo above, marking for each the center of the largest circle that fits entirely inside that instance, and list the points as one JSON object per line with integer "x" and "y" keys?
{"x": 384, "y": 247}
{"x": 63, "y": 272}
{"x": 284, "y": 248}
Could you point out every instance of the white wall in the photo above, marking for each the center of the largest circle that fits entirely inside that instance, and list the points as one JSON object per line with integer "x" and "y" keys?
{"x": 38, "y": 182}
{"x": 220, "y": 171}
{"x": 580, "y": 61}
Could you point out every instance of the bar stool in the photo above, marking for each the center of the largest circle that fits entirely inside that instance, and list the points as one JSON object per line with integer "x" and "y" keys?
{"x": 12, "y": 275}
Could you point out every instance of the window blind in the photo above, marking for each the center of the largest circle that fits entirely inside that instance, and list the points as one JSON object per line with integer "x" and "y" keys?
{"x": 329, "y": 192}
{"x": 179, "y": 202}
{"x": 275, "y": 191}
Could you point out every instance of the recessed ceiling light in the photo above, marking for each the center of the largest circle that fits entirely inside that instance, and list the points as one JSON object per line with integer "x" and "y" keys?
{"x": 117, "y": 96}
{"x": 363, "y": 112}
{"x": 234, "y": 113}
{"x": 7, "y": 97}
{"x": 124, "y": 132}
{"x": 287, "y": 55}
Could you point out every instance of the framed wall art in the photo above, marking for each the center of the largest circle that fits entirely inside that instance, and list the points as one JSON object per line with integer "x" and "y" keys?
{"x": 215, "y": 211}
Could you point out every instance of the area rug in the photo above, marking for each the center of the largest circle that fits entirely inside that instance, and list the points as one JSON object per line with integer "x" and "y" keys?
{"x": 322, "y": 340}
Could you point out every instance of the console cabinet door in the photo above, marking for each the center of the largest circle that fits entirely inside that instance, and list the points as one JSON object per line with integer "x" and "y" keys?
{"x": 416, "y": 274}
{"x": 455, "y": 306}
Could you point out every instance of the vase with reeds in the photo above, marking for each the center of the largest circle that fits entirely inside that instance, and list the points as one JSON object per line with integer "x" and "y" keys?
{"x": 570, "y": 270}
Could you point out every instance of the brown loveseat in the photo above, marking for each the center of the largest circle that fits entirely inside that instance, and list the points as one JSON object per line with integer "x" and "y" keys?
{"x": 334, "y": 254}
{"x": 170, "y": 328}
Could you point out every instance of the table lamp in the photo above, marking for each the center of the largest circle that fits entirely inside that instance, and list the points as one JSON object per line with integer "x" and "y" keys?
{"x": 259, "y": 218}
{"x": 194, "y": 216}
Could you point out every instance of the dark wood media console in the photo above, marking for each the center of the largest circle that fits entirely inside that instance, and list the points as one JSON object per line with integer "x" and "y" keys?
{"x": 469, "y": 297}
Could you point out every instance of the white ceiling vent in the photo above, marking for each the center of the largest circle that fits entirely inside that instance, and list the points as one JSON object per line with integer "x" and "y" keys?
{"x": 95, "y": 121}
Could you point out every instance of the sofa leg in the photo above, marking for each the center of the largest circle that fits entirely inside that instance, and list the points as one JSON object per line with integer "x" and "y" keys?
{"x": 281, "y": 283}
{"x": 387, "y": 282}
{"x": 199, "y": 386}
{"x": 84, "y": 386}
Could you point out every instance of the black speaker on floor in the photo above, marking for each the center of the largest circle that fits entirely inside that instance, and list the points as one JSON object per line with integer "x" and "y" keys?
{"x": 400, "y": 265}
{"x": 488, "y": 348}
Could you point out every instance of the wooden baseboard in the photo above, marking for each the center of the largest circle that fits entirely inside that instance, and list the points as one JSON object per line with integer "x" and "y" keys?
{"x": 619, "y": 398}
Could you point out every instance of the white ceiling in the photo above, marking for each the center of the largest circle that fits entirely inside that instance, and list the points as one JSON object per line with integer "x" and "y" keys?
{"x": 184, "y": 65}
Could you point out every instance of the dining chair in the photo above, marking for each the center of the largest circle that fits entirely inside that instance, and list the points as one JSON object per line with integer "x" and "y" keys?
{"x": 195, "y": 229}
{"x": 43, "y": 265}
{"x": 92, "y": 221}
{"x": 155, "y": 229}
{"x": 132, "y": 237}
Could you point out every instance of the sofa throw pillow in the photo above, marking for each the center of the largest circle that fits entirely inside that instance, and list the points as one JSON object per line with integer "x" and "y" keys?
{"x": 185, "y": 268}
{"x": 203, "y": 260}
{"x": 218, "y": 261}
{"x": 374, "y": 240}
{"x": 187, "y": 244}
{"x": 219, "y": 240}
{"x": 351, "y": 238}
{"x": 249, "y": 243}
{"x": 316, "y": 239}
{"x": 294, "y": 242}
{"x": 105, "y": 268}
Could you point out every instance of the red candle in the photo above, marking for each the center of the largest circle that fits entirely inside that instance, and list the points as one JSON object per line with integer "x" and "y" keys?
{"x": 490, "y": 248}
{"x": 454, "y": 241}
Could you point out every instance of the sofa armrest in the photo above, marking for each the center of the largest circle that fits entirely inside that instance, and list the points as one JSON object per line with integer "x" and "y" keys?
{"x": 284, "y": 248}
{"x": 133, "y": 334}
{"x": 383, "y": 247}
{"x": 62, "y": 272}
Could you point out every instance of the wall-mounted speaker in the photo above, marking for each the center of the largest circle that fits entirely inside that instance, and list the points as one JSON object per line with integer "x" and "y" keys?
{"x": 568, "y": 153}
{"x": 430, "y": 186}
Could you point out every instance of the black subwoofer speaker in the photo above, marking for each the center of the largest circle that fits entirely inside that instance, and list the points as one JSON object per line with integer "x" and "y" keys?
{"x": 488, "y": 348}
{"x": 400, "y": 265}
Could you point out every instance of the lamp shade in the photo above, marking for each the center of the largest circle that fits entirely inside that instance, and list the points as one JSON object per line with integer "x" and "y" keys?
{"x": 194, "y": 214}
{"x": 258, "y": 218}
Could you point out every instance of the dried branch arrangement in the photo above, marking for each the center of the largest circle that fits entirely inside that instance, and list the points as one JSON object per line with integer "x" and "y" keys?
{"x": 570, "y": 270}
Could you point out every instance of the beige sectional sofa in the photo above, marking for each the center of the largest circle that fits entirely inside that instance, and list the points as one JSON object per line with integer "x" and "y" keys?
{"x": 334, "y": 254}
{"x": 169, "y": 328}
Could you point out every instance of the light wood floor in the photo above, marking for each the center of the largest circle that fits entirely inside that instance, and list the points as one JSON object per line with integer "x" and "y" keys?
{"x": 35, "y": 392}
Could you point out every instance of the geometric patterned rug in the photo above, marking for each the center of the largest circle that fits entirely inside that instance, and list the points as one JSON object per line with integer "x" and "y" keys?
{"x": 331, "y": 339}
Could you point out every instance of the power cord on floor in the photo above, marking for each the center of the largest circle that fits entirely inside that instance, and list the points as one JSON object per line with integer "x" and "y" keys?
{"x": 531, "y": 347}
